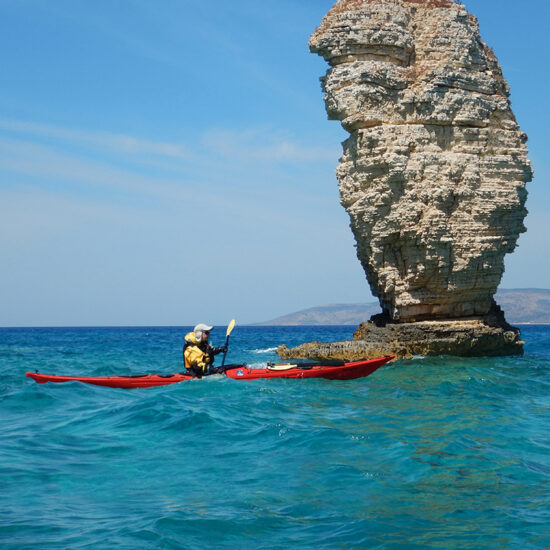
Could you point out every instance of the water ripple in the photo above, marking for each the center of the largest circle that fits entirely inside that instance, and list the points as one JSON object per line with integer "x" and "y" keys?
{"x": 429, "y": 453}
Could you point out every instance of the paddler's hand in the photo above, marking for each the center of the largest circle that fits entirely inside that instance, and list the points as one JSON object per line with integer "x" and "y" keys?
{"x": 220, "y": 350}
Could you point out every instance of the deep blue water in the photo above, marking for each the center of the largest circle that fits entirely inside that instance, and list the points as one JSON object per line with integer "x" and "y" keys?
{"x": 429, "y": 453}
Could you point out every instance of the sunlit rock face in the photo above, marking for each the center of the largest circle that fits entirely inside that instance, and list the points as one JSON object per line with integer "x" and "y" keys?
{"x": 433, "y": 174}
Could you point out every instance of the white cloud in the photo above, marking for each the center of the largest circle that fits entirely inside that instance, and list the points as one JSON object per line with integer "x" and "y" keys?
{"x": 223, "y": 163}
{"x": 248, "y": 145}
{"x": 117, "y": 143}
{"x": 92, "y": 218}
{"x": 236, "y": 174}
{"x": 262, "y": 146}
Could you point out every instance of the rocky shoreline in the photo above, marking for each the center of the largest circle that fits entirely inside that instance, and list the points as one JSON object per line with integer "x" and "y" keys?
{"x": 489, "y": 335}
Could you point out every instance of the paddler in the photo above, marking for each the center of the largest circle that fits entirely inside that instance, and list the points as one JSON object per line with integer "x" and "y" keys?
{"x": 198, "y": 354}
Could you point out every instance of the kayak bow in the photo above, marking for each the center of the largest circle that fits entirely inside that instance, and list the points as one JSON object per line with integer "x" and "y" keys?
{"x": 127, "y": 382}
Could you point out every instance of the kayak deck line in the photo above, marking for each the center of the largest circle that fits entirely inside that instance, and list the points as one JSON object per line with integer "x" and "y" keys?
{"x": 343, "y": 371}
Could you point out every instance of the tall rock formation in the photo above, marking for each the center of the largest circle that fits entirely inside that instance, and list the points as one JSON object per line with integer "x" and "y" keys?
{"x": 433, "y": 174}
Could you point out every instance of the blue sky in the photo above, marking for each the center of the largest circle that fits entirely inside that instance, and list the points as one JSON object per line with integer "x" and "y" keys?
{"x": 170, "y": 162}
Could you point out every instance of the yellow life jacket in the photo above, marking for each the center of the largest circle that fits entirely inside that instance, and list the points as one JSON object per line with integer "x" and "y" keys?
{"x": 196, "y": 353}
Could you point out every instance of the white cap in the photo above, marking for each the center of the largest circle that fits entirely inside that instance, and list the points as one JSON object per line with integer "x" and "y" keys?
{"x": 200, "y": 328}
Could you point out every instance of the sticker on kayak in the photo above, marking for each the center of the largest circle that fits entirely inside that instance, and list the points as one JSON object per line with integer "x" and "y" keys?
{"x": 240, "y": 372}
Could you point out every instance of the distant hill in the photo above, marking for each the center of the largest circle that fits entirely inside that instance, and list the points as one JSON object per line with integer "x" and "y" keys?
{"x": 521, "y": 306}
{"x": 525, "y": 305}
{"x": 334, "y": 314}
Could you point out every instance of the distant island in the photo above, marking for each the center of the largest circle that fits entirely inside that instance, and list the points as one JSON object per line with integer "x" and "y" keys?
{"x": 520, "y": 305}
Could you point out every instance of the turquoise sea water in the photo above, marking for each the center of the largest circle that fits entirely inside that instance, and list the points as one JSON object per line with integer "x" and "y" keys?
{"x": 429, "y": 453}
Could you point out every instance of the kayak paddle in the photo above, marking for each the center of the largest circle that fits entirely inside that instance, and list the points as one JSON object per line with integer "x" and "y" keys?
{"x": 230, "y": 328}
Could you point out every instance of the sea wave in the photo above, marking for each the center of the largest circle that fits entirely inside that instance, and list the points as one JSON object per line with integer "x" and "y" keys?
{"x": 266, "y": 350}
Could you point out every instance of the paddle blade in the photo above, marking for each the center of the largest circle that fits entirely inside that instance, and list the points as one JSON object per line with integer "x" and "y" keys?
{"x": 230, "y": 327}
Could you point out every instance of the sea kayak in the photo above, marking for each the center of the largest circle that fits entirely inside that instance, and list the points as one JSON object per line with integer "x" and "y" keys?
{"x": 332, "y": 371}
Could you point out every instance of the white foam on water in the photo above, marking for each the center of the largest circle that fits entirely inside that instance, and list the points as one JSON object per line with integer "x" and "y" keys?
{"x": 257, "y": 365}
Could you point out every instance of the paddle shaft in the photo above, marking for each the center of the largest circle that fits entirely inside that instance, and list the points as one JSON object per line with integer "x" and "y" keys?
{"x": 229, "y": 330}
{"x": 225, "y": 352}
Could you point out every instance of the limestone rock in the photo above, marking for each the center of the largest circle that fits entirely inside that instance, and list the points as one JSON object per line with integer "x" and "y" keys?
{"x": 486, "y": 336}
{"x": 433, "y": 174}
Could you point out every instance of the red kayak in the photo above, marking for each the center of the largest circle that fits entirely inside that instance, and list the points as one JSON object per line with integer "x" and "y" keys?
{"x": 336, "y": 370}
{"x": 332, "y": 371}
{"x": 127, "y": 382}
